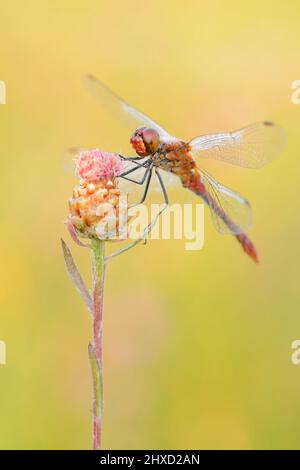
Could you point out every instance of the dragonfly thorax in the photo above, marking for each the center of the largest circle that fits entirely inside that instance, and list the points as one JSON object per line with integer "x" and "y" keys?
{"x": 145, "y": 141}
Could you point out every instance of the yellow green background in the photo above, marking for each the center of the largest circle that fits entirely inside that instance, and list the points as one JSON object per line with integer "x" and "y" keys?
{"x": 197, "y": 345}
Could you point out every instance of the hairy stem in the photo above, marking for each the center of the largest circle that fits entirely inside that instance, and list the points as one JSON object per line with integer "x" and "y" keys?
{"x": 95, "y": 349}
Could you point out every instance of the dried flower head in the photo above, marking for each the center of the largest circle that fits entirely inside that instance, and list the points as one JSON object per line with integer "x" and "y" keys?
{"x": 97, "y": 207}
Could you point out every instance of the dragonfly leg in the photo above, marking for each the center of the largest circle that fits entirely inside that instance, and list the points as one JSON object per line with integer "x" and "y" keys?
{"x": 128, "y": 247}
{"x": 165, "y": 205}
{"x": 134, "y": 159}
{"x": 166, "y": 201}
{"x": 149, "y": 227}
{"x": 124, "y": 175}
{"x": 149, "y": 173}
{"x": 162, "y": 185}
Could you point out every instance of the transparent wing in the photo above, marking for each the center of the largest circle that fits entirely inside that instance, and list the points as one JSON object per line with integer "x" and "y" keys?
{"x": 231, "y": 213}
{"x": 126, "y": 113}
{"x": 250, "y": 147}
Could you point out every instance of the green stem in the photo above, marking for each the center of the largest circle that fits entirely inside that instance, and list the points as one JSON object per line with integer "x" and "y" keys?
{"x": 95, "y": 349}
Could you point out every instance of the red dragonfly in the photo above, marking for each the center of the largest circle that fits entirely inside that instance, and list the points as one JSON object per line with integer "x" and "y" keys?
{"x": 251, "y": 147}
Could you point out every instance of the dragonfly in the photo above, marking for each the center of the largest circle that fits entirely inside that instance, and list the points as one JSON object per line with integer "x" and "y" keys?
{"x": 157, "y": 151}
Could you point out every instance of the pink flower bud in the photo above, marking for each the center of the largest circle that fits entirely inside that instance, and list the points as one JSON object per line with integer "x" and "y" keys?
{"x": 97, "y": 165}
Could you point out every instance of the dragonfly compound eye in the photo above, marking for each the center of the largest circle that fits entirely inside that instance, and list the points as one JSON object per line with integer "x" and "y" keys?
{"x": 151, "y": 140}
{"x": 145, "y": 141}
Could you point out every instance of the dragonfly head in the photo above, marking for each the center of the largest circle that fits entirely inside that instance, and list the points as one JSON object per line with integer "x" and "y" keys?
{"x": 145, "y": 141}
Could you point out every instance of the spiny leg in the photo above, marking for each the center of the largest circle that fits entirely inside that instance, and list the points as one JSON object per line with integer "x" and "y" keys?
{"x": 151, "y": 225}
{"x": 162, "y": 185}
{"x": 166, "y": 200}
{"x": 149, "y": 173}
{"x": 143, "y": 238}
{"x": 132, "y": 170}
{"x": 134, "y": 159}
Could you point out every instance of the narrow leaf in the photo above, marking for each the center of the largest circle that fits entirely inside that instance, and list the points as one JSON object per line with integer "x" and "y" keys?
{"x": 76, "y": 277}
{"x": 74, "y": 235}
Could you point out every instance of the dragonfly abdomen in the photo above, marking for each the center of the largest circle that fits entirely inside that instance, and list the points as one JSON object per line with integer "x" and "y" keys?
{"x": 193, "y": 183}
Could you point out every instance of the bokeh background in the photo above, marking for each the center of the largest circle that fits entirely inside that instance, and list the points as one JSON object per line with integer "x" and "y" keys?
{"x": 197, "y": 345}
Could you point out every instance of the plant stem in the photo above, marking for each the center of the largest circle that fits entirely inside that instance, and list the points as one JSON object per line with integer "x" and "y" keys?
{"x": 95, "y": 350}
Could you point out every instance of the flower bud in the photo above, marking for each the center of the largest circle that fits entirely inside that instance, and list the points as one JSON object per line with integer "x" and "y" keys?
{"x": 97, "y": 207}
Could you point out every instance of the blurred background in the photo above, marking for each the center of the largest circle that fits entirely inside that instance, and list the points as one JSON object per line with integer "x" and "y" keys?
{"x": 197, "y": 344}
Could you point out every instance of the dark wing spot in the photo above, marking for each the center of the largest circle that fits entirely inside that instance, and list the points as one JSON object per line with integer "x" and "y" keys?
{"x": 268, "y": 123}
